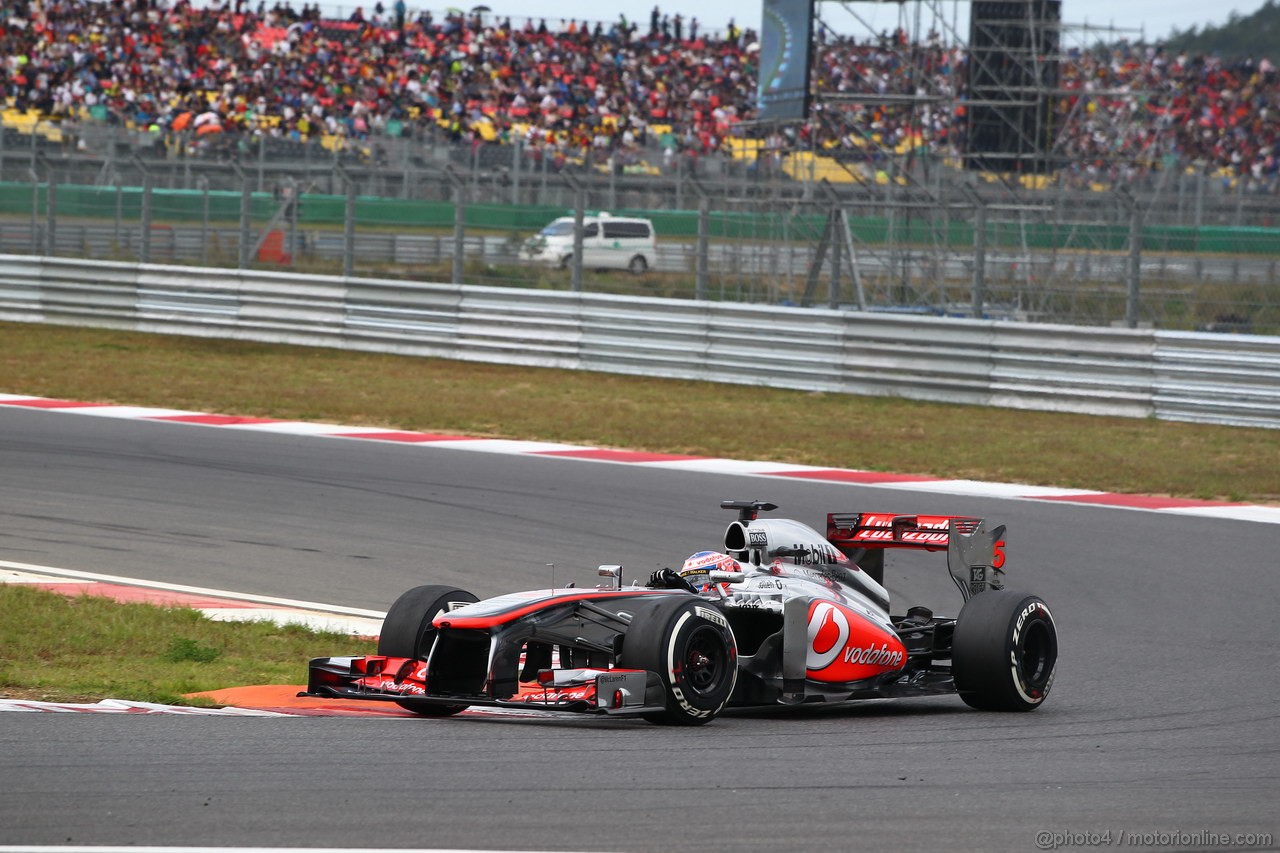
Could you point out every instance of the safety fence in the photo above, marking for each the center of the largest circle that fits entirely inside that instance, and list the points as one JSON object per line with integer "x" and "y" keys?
{"x": 75, "y": 203}
{"x": 1185, "y": 376}
{"x": 1090, "y": 261}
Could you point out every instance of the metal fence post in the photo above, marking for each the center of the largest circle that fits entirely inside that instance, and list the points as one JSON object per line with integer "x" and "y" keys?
{"x": 459, "y": 224}
{"x": 51, "y": 216}
{"x": 262, "y": 165}
{"x": 294, "y": 200}
{"x": 204, "y": 220}
{"x": 1133, "y": 273}
{"x": 579, "y": 213}
{"x": 144, "y": 252}
{"x": 459, "y": 231}
{"x": 837, "y": 251}
{"x": 702, "y": 261}
{"x": 246, "y": 217}
{"x": 119, "y": 215}
{"x": 1199, "y": 220}
{"x": 348, "y": 225}
{"x": 517, "y": 149}
{"x": 613, "y": 183}
{"x": 36, "y": 244}
{"x": 979, "y": 295}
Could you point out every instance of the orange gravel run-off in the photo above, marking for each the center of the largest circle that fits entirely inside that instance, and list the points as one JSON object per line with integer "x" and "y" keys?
{"x": 284, "y": 697}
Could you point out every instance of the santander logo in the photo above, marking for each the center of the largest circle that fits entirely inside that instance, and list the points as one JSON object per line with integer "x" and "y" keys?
{"x": 844, "y": 647}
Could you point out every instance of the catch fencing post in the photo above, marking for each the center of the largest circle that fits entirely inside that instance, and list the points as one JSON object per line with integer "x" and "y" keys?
{"x": 459, "y": 223}
{"x": 262, "y": 156}
{"x": 246, "y": 215}
{"x": 579, "y": 202}
{"x": 517, "y": 149}
{"x": 348, "y": 224}
{"x": 51, "y": 216}
{"x": 838, "y": 235}
{"x": 1133, "y": 273}
{"x": 291, "y": 187}
{"x": 36, "y": 247}
{"x": 203, "y": 183}
{"x": 701, "y": 259}
{"x": 119, "y": 214}
{"x": 703, "y": 262}
{"x": 144, "y": 250}
{"x": 978, "y": 292}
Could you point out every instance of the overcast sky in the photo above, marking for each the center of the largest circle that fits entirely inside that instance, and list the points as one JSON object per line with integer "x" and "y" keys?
{"x": 1154, "y": 17}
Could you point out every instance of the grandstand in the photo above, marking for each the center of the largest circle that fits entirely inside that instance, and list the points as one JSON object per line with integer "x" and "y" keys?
{"x": 589, "y": 92}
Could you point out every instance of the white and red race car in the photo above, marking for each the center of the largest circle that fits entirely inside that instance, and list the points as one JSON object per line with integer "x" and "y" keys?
{"x": 783, "y": 616}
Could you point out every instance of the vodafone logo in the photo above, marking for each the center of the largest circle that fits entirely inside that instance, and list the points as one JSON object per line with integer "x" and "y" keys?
{"x": 840, "y": 651}
{"x": 828, "y": 633}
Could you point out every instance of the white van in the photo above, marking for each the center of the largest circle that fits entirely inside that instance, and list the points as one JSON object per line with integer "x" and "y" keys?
{"x": 608, "y": 242}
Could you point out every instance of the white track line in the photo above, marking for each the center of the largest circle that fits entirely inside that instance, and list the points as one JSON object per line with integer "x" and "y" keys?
{"x": 192, "y": 590}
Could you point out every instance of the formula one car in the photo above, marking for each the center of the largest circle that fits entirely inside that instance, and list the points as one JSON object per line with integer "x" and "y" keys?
{"x": 784, "y": 616}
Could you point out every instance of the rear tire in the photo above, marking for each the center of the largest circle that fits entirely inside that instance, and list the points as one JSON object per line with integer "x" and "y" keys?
{"x": 691, "y": 647}
{"x": 1004, "y": 652}
{"x": 407, "y": 632}
{"x": 638, "y": 265}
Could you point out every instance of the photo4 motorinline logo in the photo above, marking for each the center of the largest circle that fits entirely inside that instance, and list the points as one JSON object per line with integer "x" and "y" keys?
{"x": 1201, "y": 839}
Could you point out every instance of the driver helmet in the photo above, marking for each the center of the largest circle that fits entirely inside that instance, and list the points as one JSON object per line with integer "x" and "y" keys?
{"x": 696, "y": 570}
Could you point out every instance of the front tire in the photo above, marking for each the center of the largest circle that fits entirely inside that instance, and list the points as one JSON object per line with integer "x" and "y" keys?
{"x": 1004, "y": 652}
{"x": 691, "y": 647}
{"x": 407, "y": 632}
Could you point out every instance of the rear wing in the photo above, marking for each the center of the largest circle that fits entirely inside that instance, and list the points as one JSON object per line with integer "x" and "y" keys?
{"x": 975, "y": 555}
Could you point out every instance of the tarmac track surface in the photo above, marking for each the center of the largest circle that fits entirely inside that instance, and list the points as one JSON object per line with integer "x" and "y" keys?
{"x": 1162, "y": 719}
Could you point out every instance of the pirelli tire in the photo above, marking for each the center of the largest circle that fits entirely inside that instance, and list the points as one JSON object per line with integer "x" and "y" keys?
{"x": 691, "y": 647}
{"x": 407, "y": 632}
{"x": 1004, "y": 652}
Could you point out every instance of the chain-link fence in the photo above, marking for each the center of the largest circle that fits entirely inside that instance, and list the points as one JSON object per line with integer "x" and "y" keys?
{"x": 1184, "y": 253}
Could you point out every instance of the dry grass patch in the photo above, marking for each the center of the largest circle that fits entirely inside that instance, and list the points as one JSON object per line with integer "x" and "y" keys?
{"x": 660, "y": 415}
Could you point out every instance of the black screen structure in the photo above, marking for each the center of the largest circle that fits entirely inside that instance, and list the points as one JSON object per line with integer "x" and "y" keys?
{"x": 1013, "y": 72}
{"x": 786, "y": 42}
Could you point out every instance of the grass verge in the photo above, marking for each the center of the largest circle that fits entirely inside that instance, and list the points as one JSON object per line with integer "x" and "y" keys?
{"x": 81, "y": 649}
{"x": 661, "y": 415}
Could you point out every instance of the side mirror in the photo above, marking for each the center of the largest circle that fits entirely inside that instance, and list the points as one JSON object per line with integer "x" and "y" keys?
{"x": 614, "y": 572}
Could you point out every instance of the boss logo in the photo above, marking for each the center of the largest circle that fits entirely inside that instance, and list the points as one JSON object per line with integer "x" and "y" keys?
{"x": 758, "y": 538}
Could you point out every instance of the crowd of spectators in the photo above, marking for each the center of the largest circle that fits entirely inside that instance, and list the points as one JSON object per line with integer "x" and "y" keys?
{"x": 1123, "y": 112}
{"x": 576, "y": 87}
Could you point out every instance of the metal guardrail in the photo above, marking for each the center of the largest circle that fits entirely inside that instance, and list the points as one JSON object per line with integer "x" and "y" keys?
{"x": 1184, "y": 376}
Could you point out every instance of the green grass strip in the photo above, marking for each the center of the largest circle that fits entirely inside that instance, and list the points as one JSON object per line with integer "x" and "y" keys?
{"x": 85, "y": 648}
